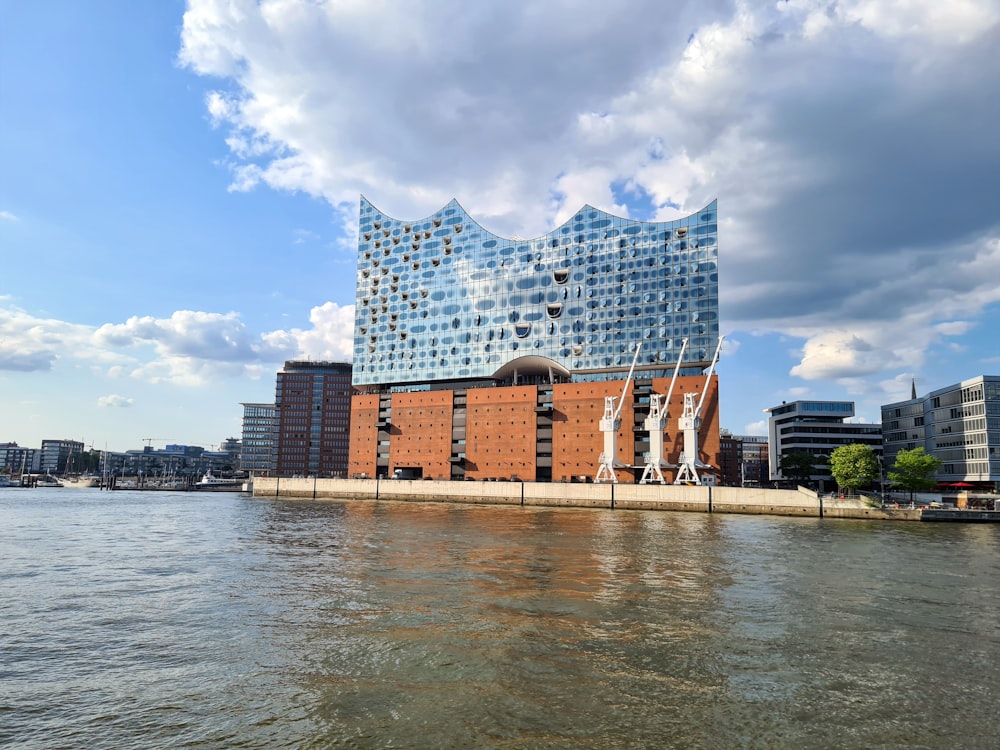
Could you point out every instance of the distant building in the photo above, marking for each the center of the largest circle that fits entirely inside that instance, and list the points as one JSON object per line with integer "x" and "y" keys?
{"x": 729, "y": 459}
{"x": 257, "y": 443}
{"x": 57, "y": 455}
{"x": 817, "y": 427}
{"x": 753, "y": 460}
{"x": 959, "y": 424}
{"x": 233, "y": 448}
{"x": 743, "y": 460}
{"x": 14, "y": 458}
{"x": 312, "y": 403}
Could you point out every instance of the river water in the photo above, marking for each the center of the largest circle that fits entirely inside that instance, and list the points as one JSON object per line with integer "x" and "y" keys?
{"x": 215, "y": 620}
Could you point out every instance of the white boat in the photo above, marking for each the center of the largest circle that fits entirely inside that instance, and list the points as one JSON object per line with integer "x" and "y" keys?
{"x": 6, "y": 481}
{"x": 211, "y": 482}
{"x": 81, "y": 481}
{"x": 48, "y": 480}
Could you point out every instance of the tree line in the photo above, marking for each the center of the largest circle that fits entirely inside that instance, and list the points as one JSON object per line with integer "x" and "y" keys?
{"x": 855, "y": 466}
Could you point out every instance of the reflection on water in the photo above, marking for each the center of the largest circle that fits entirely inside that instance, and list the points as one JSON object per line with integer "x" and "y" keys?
{"x": 155, "y": 620}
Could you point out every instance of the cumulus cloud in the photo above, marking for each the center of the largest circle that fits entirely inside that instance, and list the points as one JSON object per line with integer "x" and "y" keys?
{"x": 32, "y": 344}
{"x": 850, "y": 143}
{"x": 115, "y": 400}
{"x": 330, "y": 338}
{"x": 188, "y": 348}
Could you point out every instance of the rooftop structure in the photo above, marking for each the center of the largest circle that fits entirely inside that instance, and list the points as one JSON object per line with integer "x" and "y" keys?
{"x": 443, "y": 299}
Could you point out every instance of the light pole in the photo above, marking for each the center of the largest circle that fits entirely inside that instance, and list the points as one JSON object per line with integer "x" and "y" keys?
{"x": 881, "y": 477}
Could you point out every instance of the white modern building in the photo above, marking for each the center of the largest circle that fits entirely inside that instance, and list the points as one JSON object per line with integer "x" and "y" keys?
{"x": 816, "y": 427}
{"x": 959, "y": 424}
{"x": 257, "y": 442}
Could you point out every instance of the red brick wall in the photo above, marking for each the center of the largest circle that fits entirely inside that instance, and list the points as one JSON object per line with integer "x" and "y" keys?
{"x": 501, "y": 430}
{"x": 500, "y": 433}
{"x": 577, "y": 441}
{"x": 421, "y": 432}
{"x": 364, "y": 435}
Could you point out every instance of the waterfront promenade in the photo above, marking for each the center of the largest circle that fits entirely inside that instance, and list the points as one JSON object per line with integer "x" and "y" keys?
{"x": 801, "y": 502}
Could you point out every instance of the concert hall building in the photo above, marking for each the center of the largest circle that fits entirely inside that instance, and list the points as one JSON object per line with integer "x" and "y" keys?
{"x": 484, "y": 357}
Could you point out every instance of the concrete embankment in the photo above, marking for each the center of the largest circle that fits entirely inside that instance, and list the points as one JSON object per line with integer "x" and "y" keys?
{"x": 801, "y": 502}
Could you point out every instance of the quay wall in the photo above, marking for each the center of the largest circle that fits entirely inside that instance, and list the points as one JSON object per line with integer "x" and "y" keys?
{"x": 800, "y": 502}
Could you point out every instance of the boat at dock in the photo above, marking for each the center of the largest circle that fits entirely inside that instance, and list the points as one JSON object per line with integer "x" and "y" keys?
{"x": 225, "y": 484}
{"x": 81, "y": 481}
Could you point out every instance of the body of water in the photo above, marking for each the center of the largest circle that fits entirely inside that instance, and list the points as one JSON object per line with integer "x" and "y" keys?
{"x": 215, "y": 620}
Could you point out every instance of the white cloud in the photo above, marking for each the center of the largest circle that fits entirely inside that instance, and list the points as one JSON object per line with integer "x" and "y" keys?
{"x": 189, "y": 348}
{"x": 115, "y": 400}
{"x": 31, "y": 344}
{"x": 330, "y": 338}
{"x": 8, "y": 216}
{"x": 849, "y": 143}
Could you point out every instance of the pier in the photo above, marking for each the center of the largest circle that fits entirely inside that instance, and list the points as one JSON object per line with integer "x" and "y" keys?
{"x": 694, "y": 499}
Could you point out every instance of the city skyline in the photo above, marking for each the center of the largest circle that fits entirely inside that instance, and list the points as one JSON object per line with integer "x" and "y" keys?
{"x": 179, "y": 198}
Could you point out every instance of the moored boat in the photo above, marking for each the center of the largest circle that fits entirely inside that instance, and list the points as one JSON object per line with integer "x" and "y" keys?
{"x": 212, "y": 482}
{"x": 81, "y": 481}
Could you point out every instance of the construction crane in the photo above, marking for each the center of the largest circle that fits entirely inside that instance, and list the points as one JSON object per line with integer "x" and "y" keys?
{"x": 610, "y": 423}
{"x": 654, "y": 426}
{"x": 690, "y": 423}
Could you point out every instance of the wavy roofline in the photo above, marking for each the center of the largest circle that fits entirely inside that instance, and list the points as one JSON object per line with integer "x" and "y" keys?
{"x": 541, "y": 236}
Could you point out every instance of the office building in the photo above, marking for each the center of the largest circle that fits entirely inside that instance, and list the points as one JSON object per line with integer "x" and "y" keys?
{"x": 15, "y": 459}
{"x": 958, "y": 424}
{"x": 57, "y": 456}
{"x": 312, "y": 413}
{"x": 819, "y": 428}
{"x": 484, "y": 357}
{"x": 257, "y": 442}
{"x": 743, "y": 460}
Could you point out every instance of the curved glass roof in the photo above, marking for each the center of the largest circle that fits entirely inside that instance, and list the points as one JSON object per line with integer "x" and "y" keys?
{"x": 442, "y": 298}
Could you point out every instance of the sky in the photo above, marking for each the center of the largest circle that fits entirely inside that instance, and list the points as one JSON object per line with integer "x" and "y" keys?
{"x": 179, "y": 184}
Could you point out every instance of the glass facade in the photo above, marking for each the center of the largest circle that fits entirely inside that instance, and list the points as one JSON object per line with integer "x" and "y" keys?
{"x": 258, "y": 426}
{"x": 443, "y": 299}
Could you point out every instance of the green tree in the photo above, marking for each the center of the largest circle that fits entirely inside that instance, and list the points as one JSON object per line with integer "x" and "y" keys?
{"x": 914, "y": 470}
{"x": 799, "y": 465}
{"x": 854, "y": 466}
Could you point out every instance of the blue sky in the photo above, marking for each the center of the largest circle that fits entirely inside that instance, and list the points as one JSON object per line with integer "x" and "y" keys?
{"x": 179, "y": 184}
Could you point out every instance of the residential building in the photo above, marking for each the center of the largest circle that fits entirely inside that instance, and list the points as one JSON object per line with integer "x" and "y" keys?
{"x": 258, "y": 426}
{"x": 57, "y": 455}
{"x": 312, "y": 418}
{"x": 483, "y": 357}
{"x": 729, "y": 459}
{"x": 959, "y": 424}
{"x": 743, "y": 460}
{"x": 817, "y": 427}
{"x": 14, "y": 459}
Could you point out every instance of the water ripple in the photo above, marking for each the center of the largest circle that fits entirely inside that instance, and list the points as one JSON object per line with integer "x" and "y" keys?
{"x": 178, "y": 620}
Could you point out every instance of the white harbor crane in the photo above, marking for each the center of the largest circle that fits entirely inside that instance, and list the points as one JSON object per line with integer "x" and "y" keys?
{"x": 610, "y": 423}
{"x": 654, "y": 426}
{"x": 690, "y": 423}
